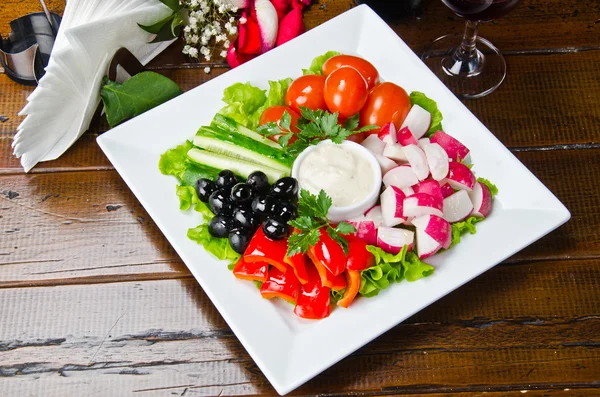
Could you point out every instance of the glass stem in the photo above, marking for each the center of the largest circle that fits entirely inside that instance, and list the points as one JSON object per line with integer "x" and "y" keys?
{"x": 467, "y": 60}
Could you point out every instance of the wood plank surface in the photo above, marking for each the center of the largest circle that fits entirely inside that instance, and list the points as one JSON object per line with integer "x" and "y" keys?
{"x": 511, "y": 328}
{"x": 540, "y": 104}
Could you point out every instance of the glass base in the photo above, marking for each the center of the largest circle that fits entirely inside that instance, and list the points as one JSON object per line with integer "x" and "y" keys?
{"x": 471, "y": 78}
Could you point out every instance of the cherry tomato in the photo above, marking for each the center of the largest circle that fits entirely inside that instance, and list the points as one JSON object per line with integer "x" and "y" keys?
{"x": 306, "y": 91}
{"x": 386, "y": 102}
{"x": 345, "y": 91}
{"x": 364, "y": 67}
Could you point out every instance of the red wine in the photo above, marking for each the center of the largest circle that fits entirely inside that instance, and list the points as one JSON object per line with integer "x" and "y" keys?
{"x": 481, "y": 10}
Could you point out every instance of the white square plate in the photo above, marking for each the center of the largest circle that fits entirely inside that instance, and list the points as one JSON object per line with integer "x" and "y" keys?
{"x": 290, "y": 350}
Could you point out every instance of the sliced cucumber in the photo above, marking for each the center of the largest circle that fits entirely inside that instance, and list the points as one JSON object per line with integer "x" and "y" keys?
{"x": 216, "y": 145}
{"x": 230, "y": 125}
{"x": 241, "y": 167}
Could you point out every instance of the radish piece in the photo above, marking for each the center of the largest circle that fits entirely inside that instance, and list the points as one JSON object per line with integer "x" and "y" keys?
{"x": 401, "y": 177}
{"x": 423, "y": 142}
{"x": 385, "y": 164}
{"x": 394, "y": 151}
{"x": 408, "y": 191}
{"x": 374, "y": 214}
{"x": 481, "y": 197}
{"x": 460, "y": 176}
{"x": 268, "y": 24}
{"x": 405, "y": 137}
{"x": 387, "y": 133}
{"x": 291, "y": 26}
{"x": 282, "y": 7}
{"x": 430, "y": 187}
{"x": 392, "y": 240}
{"x": 426, "y": 245}
{"x": 392, "y": 201}
{"x": 374, "y": 144}
{"x": 420, "y": 204}
{"x": 417, "y": 160}
{"x": 437, "y": 159}
{"x": 457, "y": 207}
{"x": 417, "y": 121}
{"x": 235, "y": 59}
{"x": 240, "y": 4}
{"x": 437, "y": 228}
{"x": 447, "y": 190}
{"x": 365, "y": 229}
{"x": 456, "y": 150}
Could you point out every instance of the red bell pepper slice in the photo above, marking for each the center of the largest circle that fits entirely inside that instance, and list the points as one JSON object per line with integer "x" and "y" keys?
{"x": 314, "y": 299}
{"x": 327, "y": 278}
{"x": 353, "y": 281}
{"x": 358, "y": 257}
{"x": 263, "y": 249}
{"x": 281, "y": 285}
{"x": 297, "y": 262}
{"x": 251, "y": 271}
{"x": 330, "y": 254}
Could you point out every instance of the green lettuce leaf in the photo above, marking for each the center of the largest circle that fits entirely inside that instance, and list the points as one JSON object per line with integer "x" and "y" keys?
{"x": 219, "y": 247}
{"x": 461, "y": 228}
{"x": 390, "y": 268}
{"x": 490, "y": 185}
{"x": 187, "y": 196}
{"x": 418, "y": 98}
{"x": 316, "y": 66}
{"x": 174, "y": 161}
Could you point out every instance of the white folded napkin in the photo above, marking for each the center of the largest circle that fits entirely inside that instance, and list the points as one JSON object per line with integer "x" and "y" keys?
{"x": 61, "y": 107}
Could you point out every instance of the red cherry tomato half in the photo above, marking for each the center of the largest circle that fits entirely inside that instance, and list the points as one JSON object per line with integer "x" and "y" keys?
{"x": 387, "y": 102}
{"x": 273, "y": 114}
{"x": 364, "y": 67}
{"x": 345, "y": 91}
{"x": 306, "y": 91}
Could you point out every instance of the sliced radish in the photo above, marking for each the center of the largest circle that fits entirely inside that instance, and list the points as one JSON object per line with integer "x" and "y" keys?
{"x": 460, "y": 176}
{"x": 429, "y": 187}
{"x": 400, "y": 176}
{"x": 457, "y": 207}
{"x": 417, "y": 121}
{"x": 282, "y": 7}
{"x": 385, "y": 164}
{"x": 408, "y": 191}
{"x": 394, "y": 151}
{"x": 456, "y": 150}
{"x": 365, "y": 229}
{"x": 374, "y": 214}
{"x": 392, "y": 240}
{"x": 481, "y": 197}
{"x": 240, "y": 4}
{"x": 423, "y": 142}
{"x": 268, "y": 23}
{"x": 417, "y": 160}
{"x": 447, "y": 190}
{"x": 387, "y": 133}
{"x": 437, "y": 159}
{"x": 291, "y": 25}
{"x": 420, "y": 204}
{"x": 392, "y": 201}
{"x": 436, "y": 227}
{"x": 374, "y": 144}
{"x": 426, "y": 245}
{"x": 405, "y": 137}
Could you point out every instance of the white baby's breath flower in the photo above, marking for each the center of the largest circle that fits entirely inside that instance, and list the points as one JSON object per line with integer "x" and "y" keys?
{"x": 187, "y": 29}
{"x": 227, "y": 26}
{"x": 232, "y": 19}
{"x": 207, "y": 57}
{"x": 193, "y": 52}
{"x": 186, "y": 49}
{"x": 233, "y": 30}
{"x": 204, "y": 50}
{"x": 243, "y": 20}
{"x": 193, "y": 21}
{"x": 223, "y": 54}
{"x": 226, "y": 44}
{"x": 222, "y": 9}
{"x": 194, "y": 39}
{"x": 207, "y": 70}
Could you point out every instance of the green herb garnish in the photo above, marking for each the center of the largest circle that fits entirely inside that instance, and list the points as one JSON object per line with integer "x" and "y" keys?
{"x": 312, "y": 211}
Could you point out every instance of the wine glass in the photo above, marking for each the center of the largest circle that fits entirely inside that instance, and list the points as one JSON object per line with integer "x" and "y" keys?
{"x": 475, "y": 67}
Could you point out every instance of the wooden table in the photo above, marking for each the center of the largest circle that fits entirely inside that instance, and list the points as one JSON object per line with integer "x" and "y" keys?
{"x": 94, "y": 301}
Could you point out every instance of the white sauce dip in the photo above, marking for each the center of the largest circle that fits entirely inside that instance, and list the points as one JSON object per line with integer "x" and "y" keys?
{"x": 344, "y": 174}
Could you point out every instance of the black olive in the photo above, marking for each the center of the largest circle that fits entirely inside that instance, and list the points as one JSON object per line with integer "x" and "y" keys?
{"x": 263, "y": 205}
{"x": 275, "y": 230}
{"x": 284, "y": 211}
{"x": 220, "y": 226}
{"x": 285, "y": 187}
{"x": 242, "y": 193}
{"x": 239, "y": 239}
{"x": 245, "y": 218}
{"x": 204, "y": 188}
{"x": 226, "y": 180}
{"x": 219, "y": 202}
{"x": 259, "y": 181}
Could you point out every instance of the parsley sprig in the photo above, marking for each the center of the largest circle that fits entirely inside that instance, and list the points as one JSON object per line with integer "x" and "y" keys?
{"x": 315, "y": 126}
{"x": 312, "y": 211}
